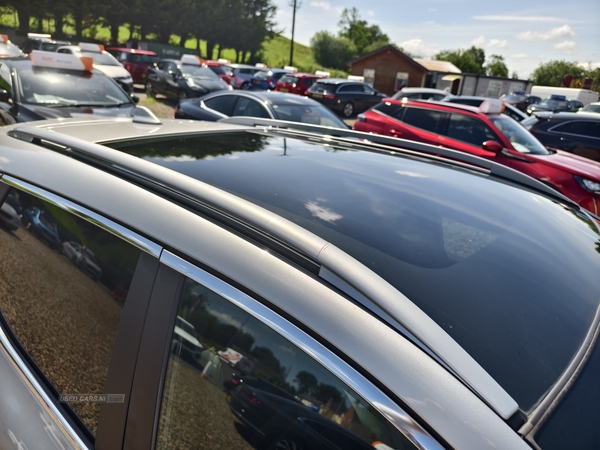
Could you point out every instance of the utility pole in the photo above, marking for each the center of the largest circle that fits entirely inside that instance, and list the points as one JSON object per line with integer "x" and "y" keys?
{"x": 295, "y": 4}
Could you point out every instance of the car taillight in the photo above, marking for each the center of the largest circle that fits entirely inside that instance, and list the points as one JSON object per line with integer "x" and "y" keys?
{"x": 329, "y": 96}
{"x": 251, "y": 398}
{"x": 270, "y": 82}
{"x": 128, "y": 67}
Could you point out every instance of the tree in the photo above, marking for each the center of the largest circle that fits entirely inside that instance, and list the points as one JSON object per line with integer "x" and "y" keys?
{"x": 468, "y": 61}
{"x": 331, "y": 51}
{"x": 360, "y": 33}
{"x": 553, "y": 72}
{"x": 496, "y": 67}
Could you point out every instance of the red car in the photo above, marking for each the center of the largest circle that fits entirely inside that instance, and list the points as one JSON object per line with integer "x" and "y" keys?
{"x": 296, "y": 83}
{"x": 137, "y": 62}
{"x": 221, "y": 70}
{"x": 487, "y": 133}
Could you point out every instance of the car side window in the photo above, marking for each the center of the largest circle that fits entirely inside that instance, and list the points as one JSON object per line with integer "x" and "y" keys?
{"x": 249, "y": 107}
{"x": 63, "y": 284}
{"x": 163, "y": 65}
{"x": 222, "y": 103}
{"x": 426, "y": 119}
{"x": 64, "y": 50}
{"x": 368, "y": 89}
{"x": 347, "y": 88}
{"x": 5, "y": 79}
{"x": 232, "y": 382}
{"x": 582, "y": 128}
{"x": 470, "y": 130}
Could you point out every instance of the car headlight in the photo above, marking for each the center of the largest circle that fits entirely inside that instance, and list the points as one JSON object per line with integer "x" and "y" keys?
{"x": 588, "y": 185}
{"x": 190, "y": 83}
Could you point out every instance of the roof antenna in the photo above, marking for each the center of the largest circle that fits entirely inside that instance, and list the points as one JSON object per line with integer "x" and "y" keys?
{"x": 141, "y": 114}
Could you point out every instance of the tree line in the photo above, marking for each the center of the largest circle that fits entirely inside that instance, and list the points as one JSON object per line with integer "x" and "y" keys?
{"x": 242, "y": 25}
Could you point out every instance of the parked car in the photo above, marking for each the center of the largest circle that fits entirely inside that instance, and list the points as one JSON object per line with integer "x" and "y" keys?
{"x": 38, "y": 41}
{"x": 487, "y": 133}
{"x": 241, "y": 74}
{"x": 520, "y": 100}
{"x": 49, "y": 87}
{"x": 185, "y": 342}
{"x": 8, "y": 49}
{"x": 344, "y": 97}
{"x": 42, "y": 224}
{"x": 270, "y": 105}
{"x": 510, "y": 110}
{"x": 83, "y": 258}
{"x": 592, "y": 107}
{"x": 577, "y": 133}
{"x": 222, "y": 70}
{"x": 417, "y": 296}
{"x": 421, "y": 94}
{"x": 296, "y": 83}
{"x": 103, "y": 61}
{"x": 9, "y": 217}
{"x": 136, "y": 62}
{"x": 555, "y": 103}
{"x": 181, "y": 79}
{"x": 266, "y": 79}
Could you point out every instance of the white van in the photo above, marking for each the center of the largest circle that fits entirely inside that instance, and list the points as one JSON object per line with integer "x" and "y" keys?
{"x": 585, "y": 96}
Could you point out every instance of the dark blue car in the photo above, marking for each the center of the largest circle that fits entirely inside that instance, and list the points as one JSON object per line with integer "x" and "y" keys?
{"x": 42, "y": 224}
{"x": 266, "y": 79}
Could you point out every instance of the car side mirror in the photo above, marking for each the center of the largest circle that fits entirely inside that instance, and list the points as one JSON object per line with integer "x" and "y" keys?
{"x": 4, "y": 96}
{"x": 135, "y": 98}
{"x": 492, "y": 146}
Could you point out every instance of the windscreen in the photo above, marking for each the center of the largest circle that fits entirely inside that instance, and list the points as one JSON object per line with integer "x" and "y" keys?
{"x": 198, "y": 72}
{"x": 103, "y": 59}
{"x": 313, "y": 114}
{"x": 554, "y": 104}
{"x": 10, "y": 50}
{"x": 55, "y": 88}
{"x": 510, "y": 274}
{"x": 521, "y": 139}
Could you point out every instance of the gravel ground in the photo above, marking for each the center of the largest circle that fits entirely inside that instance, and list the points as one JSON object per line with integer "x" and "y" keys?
{"x": 66, "y": 322}
{"x": 195, "y": 414}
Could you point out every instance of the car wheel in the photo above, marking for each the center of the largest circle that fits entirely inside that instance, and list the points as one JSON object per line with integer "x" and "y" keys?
{"x": 245, "y": 86}
{"x": 150, "y": 90}
{"x": 182, "y": 95}
{"x": 348, "y": 109}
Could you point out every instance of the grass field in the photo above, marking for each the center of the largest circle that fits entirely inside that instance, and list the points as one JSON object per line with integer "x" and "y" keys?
{"x": 276, "y": 51}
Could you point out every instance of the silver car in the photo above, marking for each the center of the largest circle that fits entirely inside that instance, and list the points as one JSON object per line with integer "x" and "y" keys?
{"x": 348, "y": 291}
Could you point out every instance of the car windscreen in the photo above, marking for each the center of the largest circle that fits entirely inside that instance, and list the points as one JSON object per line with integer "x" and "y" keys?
{"x": 103, "y": 59}
{"x": 322, "y": 88}
{"x": 313, "y": 114}
{"x": 198, "y": 72}
{"x": 514, "y": 98}
{"x": 554, "y": 104}
{"x": 263, "y": 74}
{"x": 141, "y": 59}
{"x": 218, "y": 70}
{"x": 521, "y": 139}
{"x": 55, "y": 88}
{"x": 511, "y": 275}
{"x": 10, "y": 50}
{"x": 289, "y": 79}
{"x": 592, "y": 108}
{"x": 51, "y": 46}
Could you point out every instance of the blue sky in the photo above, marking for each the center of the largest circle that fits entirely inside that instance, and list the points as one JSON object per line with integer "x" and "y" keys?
{"x": 525, "y": 32}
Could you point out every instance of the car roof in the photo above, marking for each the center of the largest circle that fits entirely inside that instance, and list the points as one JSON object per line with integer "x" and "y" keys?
{"x": 567, "y": 115}
{"x": 133, "y": 50}
{"x": 304, "y": 75}
{"x": 270, "y": 97}
{"x": 435, "y": 105}
{"x": 338, "y": 81}
{"x": 411, "y": 90}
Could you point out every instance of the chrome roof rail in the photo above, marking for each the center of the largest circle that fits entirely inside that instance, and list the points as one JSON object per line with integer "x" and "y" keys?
{"x": 392, "y": 145}
{"x": 352, "y": 276}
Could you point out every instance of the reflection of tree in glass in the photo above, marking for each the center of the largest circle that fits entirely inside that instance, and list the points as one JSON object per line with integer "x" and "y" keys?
{"x": 194, "y": 147}
{"x": 598, "y": 245}
{"x": 266, "y": 357}
{"x": 306, "y": 382}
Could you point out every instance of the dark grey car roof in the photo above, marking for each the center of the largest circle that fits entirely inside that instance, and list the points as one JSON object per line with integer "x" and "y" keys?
{"x": 270, "y": 97}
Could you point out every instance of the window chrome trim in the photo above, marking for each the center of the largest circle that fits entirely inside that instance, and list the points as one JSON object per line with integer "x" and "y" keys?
{"x": 26, "y": 373}
{"x": 106, "y": 224}
{"x": 392, "y": 412}
{"x": 585, "y": 136}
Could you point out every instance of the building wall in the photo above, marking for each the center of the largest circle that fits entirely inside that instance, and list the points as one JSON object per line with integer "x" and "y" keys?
{"x": 386, "y": 64}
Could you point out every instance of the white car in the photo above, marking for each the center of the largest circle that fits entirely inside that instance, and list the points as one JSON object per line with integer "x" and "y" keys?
{"x": 103, "y": 61}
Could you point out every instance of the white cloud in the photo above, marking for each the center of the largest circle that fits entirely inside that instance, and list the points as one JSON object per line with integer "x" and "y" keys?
{"x": 556, "y": 33}
{"x": 498, "y": 43}
{"x": 418, "y": 47}
{"x": 566, "y": 47}
{"x": 432, "y": 10}
{"x": 322, "y": 212}
{"x": 519, "y": 18}
{"x": 520, "y": 56}
{"x": 371, "y": 13}
{"x": 478, "y": 41}
{"x": 326, "y": 6}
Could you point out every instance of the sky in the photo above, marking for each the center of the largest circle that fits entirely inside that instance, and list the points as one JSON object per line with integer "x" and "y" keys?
{"x": 525, "y": 32}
